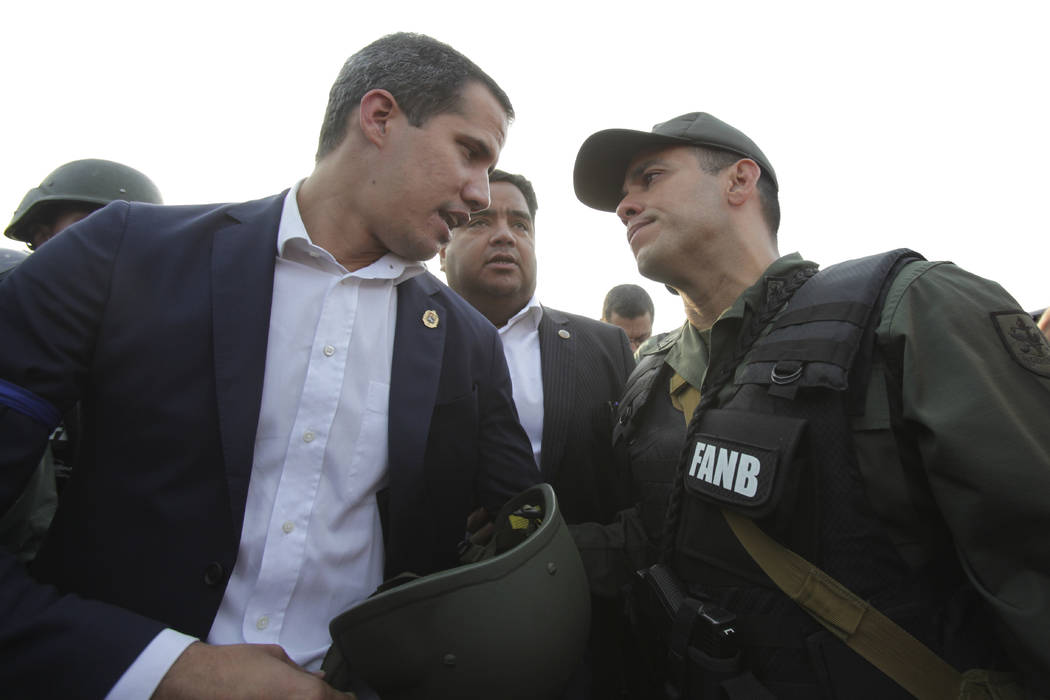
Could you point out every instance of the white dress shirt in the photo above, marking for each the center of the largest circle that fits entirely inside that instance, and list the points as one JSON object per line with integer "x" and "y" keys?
{"x": 311, "y": 543}
{"x": 521, "y": 346}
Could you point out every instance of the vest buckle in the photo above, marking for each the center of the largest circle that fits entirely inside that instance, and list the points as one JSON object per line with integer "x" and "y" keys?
{"x": 786, "y": 372}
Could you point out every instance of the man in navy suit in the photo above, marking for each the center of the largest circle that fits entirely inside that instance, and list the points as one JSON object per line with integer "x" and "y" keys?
{"x": 281, "y": 405}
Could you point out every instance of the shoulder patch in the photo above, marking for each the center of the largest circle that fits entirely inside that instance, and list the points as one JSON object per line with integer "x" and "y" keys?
{"x": 1023, "y": 340}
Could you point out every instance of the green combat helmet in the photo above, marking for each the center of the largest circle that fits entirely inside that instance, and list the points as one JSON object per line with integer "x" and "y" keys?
{"x": 93, "y": 182}
{"x": 512, "y": 625}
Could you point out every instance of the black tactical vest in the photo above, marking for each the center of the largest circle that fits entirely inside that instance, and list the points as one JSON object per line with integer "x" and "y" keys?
{"x": 650, "y": 430}
{"x": 780, "y": 451}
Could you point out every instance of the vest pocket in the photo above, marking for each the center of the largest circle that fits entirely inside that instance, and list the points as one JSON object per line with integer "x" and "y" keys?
{"x": 742, "y": 461}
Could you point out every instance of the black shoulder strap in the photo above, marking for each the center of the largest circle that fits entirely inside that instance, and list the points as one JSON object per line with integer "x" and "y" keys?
{"x": 825, "y": 334}
{"x": 638, "y": 389}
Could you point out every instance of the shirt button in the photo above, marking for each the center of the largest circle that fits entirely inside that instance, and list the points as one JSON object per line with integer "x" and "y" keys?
{"x": 328, "y": 351}
{"x": 288, "y": 526}
{"x": 308, "y": 436}
{"x": 262, "y": 623}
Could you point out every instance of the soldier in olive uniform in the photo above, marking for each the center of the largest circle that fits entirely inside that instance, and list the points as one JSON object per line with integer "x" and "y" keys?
{"x": 71, "y": 192}
{"x": 68, "y": 194}
{"x": 882, "y": 423}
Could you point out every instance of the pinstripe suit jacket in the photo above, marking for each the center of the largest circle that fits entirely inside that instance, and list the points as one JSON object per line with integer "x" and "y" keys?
{"x": 584, "y": 364}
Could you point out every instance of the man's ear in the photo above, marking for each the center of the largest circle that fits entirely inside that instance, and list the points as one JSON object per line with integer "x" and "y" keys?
{"x": 441, "y": 256}
{"x": 743, "y": 180}
{"x": 378, "y": 108}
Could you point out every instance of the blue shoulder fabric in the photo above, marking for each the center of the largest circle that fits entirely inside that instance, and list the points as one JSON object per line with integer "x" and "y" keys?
{"x": 28, "y": 403}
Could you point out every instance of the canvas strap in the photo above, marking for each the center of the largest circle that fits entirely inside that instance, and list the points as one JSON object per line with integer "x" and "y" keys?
{"x": 864, "y": 629}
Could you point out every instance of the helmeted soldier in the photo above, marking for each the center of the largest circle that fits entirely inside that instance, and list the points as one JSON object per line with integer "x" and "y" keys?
{"x": 857, "y": 508}
{"x": 73, "y": 191}
{"x": 68, "y": 194}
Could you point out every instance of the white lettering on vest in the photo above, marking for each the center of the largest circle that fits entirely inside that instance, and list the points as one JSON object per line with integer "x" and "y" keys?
{"x": 707, "y": 465}
{"x": 747, "y": 475}
{"x": 697, "y": 456}
{"x": 725, "y": 468}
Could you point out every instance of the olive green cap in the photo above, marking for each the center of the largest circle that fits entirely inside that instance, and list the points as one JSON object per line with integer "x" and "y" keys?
{"x": 603, "y": 158}
{"x": 91, "y": 181}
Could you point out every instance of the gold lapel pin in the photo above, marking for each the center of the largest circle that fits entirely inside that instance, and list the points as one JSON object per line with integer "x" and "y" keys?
{"x": 430, "y": 318}
{"x": 564, "y": 334}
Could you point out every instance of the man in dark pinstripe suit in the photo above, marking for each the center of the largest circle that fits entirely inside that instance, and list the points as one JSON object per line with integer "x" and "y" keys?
{"x": 567, "y": 371}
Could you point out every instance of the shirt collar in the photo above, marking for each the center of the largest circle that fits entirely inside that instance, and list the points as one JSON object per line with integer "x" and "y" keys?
{"x": 294, "y": 244}
{"x": 690, "y": 355}
{"x": 528, "y": 316}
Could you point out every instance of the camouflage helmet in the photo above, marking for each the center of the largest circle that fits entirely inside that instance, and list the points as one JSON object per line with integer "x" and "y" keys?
{"x": 91, "y": 181}
{"x": 510, "y": 626}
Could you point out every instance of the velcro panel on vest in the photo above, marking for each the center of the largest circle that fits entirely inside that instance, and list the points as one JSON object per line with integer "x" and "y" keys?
{"x": 815, "y": 341}
{"x": 742, "y": 461}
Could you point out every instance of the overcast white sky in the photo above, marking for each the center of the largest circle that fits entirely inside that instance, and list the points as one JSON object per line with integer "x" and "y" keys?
{"x": 918, "y": 124}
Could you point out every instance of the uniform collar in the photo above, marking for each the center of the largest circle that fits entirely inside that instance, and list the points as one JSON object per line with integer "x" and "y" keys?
{"x": 690, "y": 354}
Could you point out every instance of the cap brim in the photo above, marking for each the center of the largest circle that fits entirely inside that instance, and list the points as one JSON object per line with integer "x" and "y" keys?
{"x": 602, "y": 162}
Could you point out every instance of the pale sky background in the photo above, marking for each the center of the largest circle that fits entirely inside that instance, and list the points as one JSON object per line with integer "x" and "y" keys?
{"x": 918, "y": 124}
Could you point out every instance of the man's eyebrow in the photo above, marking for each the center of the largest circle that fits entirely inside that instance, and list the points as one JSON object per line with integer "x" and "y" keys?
{"x": 481, "y": 149}
{"x": 483, "y": 152}
{"x": 483, "y": 212}
{"x": 520, "y": 214}
{"x": 635, "y": 173}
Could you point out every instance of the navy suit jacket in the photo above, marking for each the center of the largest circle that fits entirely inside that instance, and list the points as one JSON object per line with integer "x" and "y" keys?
{"x": 156, "y": 319}
{"x": 584, "y": 364}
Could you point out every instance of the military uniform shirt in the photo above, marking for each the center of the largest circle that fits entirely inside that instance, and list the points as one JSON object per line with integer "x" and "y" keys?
{"x": 975, "y": 387}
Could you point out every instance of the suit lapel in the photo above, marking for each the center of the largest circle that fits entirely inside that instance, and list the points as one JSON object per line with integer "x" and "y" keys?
{"x": 557, "y": 366}
{"x": 414, "y": 375}
{"x": 243, "y": 259}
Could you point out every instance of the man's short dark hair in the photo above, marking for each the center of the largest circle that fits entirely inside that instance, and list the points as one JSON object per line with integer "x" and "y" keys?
{"x": 522, "y": 184}
{"x": 715, "y": 160}
{"x": 425, "y": 76}
{"x": 627, "y": 301}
